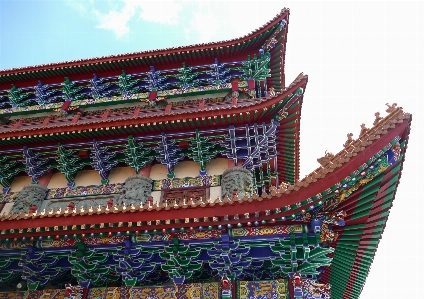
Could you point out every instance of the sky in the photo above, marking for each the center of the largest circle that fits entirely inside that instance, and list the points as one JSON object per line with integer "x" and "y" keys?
{"x": 358, "y": 55}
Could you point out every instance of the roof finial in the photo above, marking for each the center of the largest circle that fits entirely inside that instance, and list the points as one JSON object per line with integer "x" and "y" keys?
{"x": 391, "y": 108}
{"x": 349, "y": 140}
{"x": 377, "y": 118}
{"x": 326, "y": 159}
{"x": 363, "y": 130}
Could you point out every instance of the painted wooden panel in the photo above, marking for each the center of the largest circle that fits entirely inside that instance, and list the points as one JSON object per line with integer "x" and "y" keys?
{"x": 270, "y": 289}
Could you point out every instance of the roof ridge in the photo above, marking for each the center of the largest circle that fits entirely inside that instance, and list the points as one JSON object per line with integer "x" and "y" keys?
{"x": 116, "y": 56}
{"x": 330, "y": 161}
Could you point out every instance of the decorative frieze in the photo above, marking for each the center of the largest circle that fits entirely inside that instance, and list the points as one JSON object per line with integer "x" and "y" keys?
{"x": 200, "y": 181}
{"x": 84, "y": 191}
{"x": 65, "y": 242}
{"x": 186, "y": 235}
{"x": 266, "y": 230}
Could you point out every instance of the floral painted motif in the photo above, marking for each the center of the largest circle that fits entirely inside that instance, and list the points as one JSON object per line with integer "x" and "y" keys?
{"x": 96, "y": 293}
{"x": 314, "y": 290}
{"x": 385, "y": 158}
{"x": 272, "y": 289}
{"x": 14, "y": 295}
{"x": 184, "y": 291}
{"x": 190, "y": 235}
{"x": 263, "y": 231}
{"x": 170, "y": 92}
{"x": 84, "y": 190}
{"x": 15, "y": 245}
{"x": 88, "y": 241}
{"x": 167, "y": 292}
{"x": 35, "y": 294}
{"x": 327, "y": 235}
{"x": 211, "y": 290}
{"x": 208, "y": 180}
{"x": 189, "y": 291}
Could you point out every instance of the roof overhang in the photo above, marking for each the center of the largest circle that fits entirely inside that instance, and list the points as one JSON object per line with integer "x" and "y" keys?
{"x": 229, "y": 50}
{"x": 288, "y": 103}
{"x": 294, "y": 198}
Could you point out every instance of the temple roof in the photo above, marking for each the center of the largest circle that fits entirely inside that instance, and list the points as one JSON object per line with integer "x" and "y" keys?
{"x": 356, "y": 181}
{"x": 293, "y": 198}
{"x": 48, "y": 130}
{"x": 360, "y": 181}
{"x": 368, "y": 211}
{"x": 228, "y": 50}
{"x": 288, "y": 104}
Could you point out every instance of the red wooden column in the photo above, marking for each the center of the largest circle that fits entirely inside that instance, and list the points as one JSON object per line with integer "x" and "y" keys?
{"x": 85, "y": 293}
{"x": 227, "y": 288}
{"x": 146, "y": 170}
{"x": 273, "y": 180}
{"x": 66, "y": 105}
{"x": 234, "y": 289}
{"x": 252, "y": 87}
{"x": 45, "y": 178}
{"x": 291, "y": 288}
{"x": 235, "y": 92}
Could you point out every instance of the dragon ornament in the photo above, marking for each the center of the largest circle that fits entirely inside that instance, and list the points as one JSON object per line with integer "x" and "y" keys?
{"x": 328, "y": 220}
{"x": 310, "y": 289}
{"x": 326, "y": 159}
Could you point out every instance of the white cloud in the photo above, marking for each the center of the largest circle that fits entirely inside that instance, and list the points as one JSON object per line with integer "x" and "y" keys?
{"x": 164, "y": 12}
{"x": 215, "y": 20}
{"x": 205, "y": 20}
{"x": 206, "y": 24}
{"x": 117, "y": 19}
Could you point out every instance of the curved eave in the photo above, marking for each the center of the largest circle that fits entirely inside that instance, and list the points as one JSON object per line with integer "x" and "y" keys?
{"x": 289, "y": 135}
{"x": 367, "y": 213}
{"x": 299, "y": 193}
{"x": 215, "y": 117}
{"x": 163, "y": 58}
{"x": 259, "y": 111}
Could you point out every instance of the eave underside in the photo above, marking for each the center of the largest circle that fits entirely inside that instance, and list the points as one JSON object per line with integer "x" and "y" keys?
{"x": 368, "y": 211}
{"x": 299, "y": 197}
{"x": 367, "y": 208}
{"x": 288, "y": 104}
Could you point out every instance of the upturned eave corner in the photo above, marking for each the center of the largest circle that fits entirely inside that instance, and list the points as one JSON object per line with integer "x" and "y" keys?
{"x": 337, "y": 167}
